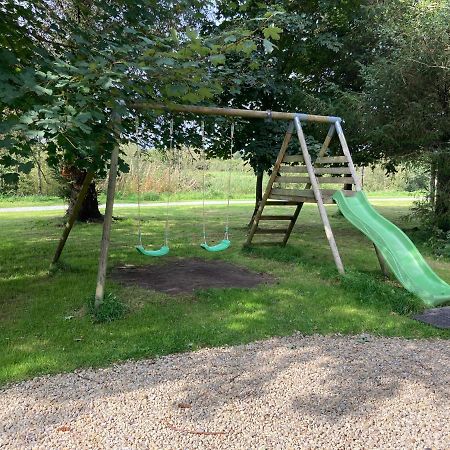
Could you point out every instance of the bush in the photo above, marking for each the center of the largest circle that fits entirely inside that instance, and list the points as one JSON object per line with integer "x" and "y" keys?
{"x": 432, "y": 236}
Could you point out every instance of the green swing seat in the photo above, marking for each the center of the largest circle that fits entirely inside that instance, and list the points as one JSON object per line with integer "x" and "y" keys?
{"x": 161, "y": 252}
{"x": 222, "y": 245}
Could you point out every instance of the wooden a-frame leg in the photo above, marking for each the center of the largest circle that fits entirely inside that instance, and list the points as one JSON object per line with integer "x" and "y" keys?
{"x": 292, "y": 223}
{"x": 104, "y": 245}
{"x": 348, "y": 155}
{"x": 318, "y": 196}
{"x": 298, "y": 210}
{"x": 383, "y": 265}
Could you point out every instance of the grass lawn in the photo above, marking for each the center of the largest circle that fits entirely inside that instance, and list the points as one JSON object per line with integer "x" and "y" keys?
{"x": 44, "y": 327}
{"x": 10, "y": 201}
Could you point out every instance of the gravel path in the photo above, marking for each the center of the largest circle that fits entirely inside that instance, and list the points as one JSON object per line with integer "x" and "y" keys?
{"x": 296, "y": 392}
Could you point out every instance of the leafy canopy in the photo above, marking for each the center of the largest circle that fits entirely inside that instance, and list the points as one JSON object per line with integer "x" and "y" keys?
{"x": 68, "y": 66}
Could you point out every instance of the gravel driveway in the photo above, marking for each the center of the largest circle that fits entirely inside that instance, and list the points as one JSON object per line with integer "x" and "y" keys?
{"x": 296, "y": 392}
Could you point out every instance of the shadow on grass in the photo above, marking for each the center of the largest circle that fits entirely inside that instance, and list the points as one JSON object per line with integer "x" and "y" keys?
{"x": 159, "y": 324}
{"x": 368, "y": 288}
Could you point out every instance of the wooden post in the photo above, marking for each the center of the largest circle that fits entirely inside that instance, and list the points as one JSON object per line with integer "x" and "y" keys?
{"x": 104, "y": 245}
{"x": 383, "y": 265}
{"x": 318, "y": 196}
{"x": 276, "y": 168}
{"x": 298, "y": 210}
{"x": 347, "y": 154}
{"x": 73, "y": 217}
{"x": 233, "y": 112}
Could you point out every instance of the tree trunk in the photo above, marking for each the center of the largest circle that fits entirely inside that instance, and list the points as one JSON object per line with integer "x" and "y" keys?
{"x": 442, "y": 201}
{"x": 433, "y": 169}
{"x": 89, "y": 211}
{"x": 39, "y": 172}
{"x": 258, "y": 195}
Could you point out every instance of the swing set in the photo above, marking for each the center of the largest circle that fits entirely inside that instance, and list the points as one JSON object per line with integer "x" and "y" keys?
{"x": 394, "y": 249}
{"x": 284, "y": 167}
{"x": 164, "y": 249}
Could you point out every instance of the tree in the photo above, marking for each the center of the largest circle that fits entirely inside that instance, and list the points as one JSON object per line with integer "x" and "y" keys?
{"x": 307, "y": 67}
{"x": 407, "y": 95}
{"x": 62, "y": 80}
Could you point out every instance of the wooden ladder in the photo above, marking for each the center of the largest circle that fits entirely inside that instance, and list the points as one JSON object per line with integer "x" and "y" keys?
{"x": 298, "y": 169}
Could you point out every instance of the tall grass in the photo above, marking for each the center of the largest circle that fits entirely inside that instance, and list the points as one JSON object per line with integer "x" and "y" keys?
{"x": 183, "y": 174}
{"x": 180, "y": 173}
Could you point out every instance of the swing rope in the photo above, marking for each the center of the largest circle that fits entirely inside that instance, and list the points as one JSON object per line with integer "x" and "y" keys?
{"x": 225, "y": 243}
{"x": 169, "y": 180}
{"x": 164, "y": 250}
{"x": 203, "y": 181}
{"x": 227, "y": 223}
{"x": 138, "y": 167}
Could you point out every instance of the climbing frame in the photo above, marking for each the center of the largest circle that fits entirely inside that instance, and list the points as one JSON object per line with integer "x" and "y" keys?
{"x": 320, "y": 179}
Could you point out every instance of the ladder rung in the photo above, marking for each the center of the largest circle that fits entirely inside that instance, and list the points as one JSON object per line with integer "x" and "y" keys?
{"x": 317, "y": 170}
{"x": 296, "y": 200}
{"x": 270, "y": 231}
{"x": 295, "y": 180}
{"x": 293, "y": 158}
{"x": 276, "y": 218}
{"x": 320, "y": 179}
{"x": 331, "y": 160}
{"x": 302, "y": 192}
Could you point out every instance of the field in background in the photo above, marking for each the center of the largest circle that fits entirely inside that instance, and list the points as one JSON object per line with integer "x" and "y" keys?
{"x": 181, "y": 175}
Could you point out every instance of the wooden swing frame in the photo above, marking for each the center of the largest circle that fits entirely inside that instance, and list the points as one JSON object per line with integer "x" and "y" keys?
{"x": 311, "y": 193}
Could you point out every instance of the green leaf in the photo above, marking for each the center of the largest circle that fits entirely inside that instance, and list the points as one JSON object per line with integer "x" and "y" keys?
{"x": 268, "y": 46}
{"x": 191, "y": 97}
{"x": 272, "y": 32}
{"x": 176, "y": 90}
{"x": 247, "y": 46}
{"x": 229, "y": 39}
{"x": 41, "y": 90}
{"x": 205, "y": 92}
{"x": 84, "y": 117}
{"x": 165, "y": 61}
{"x": 106, "y": 83}
{"x": 34, "y": 134}
{"x": 28, "y": 118}
{"x": 174, "y": 35}
{"x": 217, "y": 60}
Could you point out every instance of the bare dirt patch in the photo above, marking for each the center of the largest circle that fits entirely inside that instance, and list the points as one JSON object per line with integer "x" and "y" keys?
{"x": 181, "y": 276}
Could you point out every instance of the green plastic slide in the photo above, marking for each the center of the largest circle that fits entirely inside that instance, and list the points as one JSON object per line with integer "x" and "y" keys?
{"x": 400, "y": 253}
